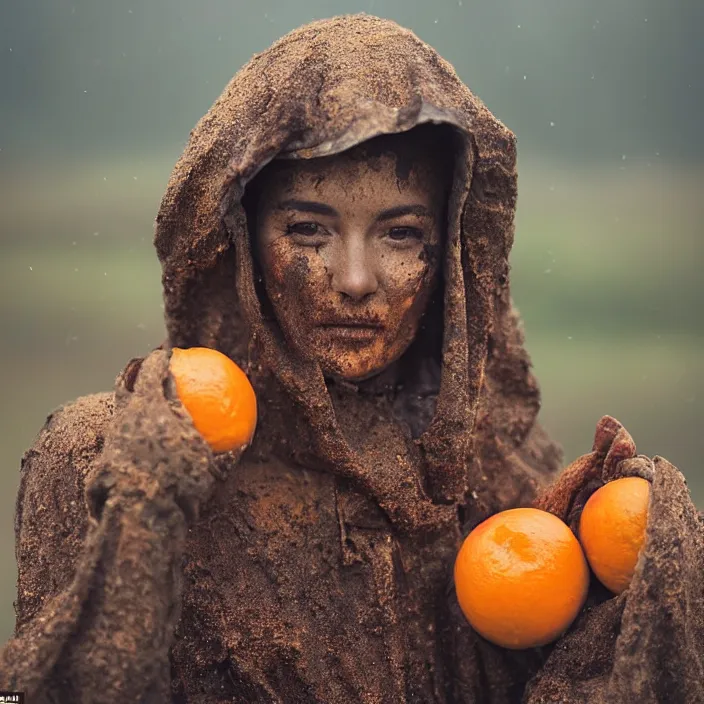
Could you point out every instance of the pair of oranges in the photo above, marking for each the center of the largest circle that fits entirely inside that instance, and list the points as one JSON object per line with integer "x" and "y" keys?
{"x": 522, "y": 576}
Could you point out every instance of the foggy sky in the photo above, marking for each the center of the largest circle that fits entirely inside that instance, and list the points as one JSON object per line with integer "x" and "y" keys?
{"x": 574, "y": 79}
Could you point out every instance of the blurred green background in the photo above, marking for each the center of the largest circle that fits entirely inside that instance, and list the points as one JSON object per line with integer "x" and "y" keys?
{"x": 605, "y": 97}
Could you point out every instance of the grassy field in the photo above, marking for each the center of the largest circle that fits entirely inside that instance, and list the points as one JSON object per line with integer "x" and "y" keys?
{"x": 606, "y": 272}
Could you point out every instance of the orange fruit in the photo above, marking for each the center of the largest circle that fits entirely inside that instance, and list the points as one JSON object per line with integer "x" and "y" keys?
{"x": 217, "y": 395}
{"x": 612, "y": 530}
{"x": 521, "y": 578}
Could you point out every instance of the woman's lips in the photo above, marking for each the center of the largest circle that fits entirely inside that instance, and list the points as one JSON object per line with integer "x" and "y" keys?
{"x": 360, "y": 332}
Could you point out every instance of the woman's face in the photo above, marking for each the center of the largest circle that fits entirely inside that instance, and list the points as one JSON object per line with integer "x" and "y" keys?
{"x": 349, "y": 248}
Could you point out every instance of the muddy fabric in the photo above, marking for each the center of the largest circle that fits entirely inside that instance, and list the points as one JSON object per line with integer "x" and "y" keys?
{"x": 316, "y": 567}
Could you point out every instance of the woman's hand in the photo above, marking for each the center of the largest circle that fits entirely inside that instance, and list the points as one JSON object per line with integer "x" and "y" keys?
{"x": 613, "y": 456}
{"x": 647, "y": 643}
{"x": 154, "y": 455}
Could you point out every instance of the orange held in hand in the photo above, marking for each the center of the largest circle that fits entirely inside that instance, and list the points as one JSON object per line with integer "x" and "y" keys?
{"x": 521, "y": 578}
{"x": 217, "y": 395}
{"x": 612, "y": 530}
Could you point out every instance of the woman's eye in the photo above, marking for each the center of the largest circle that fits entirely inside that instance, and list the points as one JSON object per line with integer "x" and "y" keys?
{"x": 401, "y": 234}
{"x": 304, "y": 228}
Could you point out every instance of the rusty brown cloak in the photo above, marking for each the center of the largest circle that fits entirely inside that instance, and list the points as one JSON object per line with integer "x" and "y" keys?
{"x": 319, "y": 569}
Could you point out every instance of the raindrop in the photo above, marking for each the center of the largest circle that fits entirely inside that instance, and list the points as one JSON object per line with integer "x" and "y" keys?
{"x": 552, "y": 124}
{"x": 73, "y": 243}
{"x": 134, "y": 178}
{"x": 436, "y": 21}
{"x": 623, "y": 157}
{"x": 95, "y": 234}
{"x": 519, "y": 26}
{"x": 569, "y": 337}
{"x": 547, "y": 271}
{"x": 459, "y": 3}
{"x": 552, "y": 188}
{"x": 525, "y": 77}
{"x": 30, "y": 268}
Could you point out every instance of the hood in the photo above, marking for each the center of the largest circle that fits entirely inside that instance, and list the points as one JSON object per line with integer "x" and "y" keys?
{"x": 319, "y": 90}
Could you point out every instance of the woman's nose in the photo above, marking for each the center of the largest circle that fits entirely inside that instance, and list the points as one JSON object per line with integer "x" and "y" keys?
{"x": 353, "y": 273}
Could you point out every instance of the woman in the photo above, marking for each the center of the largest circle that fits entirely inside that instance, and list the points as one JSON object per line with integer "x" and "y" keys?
{"x": 340, "y": 225}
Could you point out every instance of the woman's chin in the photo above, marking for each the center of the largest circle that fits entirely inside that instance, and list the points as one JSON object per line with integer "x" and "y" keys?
{"x": 354, "y": 376}
{"x": 355, "y": 373}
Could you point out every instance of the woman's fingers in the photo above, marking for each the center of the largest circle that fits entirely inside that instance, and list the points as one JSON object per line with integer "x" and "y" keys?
{"x": 559, "y": 497}
{"x": 145, "y": 375}
{"x": 622, "y": 448}
{"x": 126, "y": 380}
{"x": 639, "y": 466}
{"x": 606, "y": 430}
{"x": 153, "y": 373}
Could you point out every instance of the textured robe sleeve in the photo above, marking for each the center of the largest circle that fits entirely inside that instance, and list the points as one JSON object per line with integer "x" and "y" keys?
{"x": 101, "y": 523}
{"x": 646, "y": 645}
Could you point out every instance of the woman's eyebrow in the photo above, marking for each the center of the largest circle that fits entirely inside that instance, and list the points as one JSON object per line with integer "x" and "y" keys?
{"x": 399, "y": 210}
{"x": 308, "y": 206}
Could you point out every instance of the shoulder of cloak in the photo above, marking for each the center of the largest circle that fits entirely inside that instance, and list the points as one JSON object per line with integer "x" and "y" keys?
{"x": 51, "y": 516}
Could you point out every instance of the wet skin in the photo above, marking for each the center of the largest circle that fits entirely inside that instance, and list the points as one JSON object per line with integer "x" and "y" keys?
{"x": 348, "y": 247}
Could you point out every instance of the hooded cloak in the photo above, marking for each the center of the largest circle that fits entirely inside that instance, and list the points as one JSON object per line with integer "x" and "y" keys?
{"x": 387, "y": 502}
{"x": 319, "y": 570}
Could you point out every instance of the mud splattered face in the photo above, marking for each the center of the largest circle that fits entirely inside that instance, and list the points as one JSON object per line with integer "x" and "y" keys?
{"x": 349, "y": 248}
